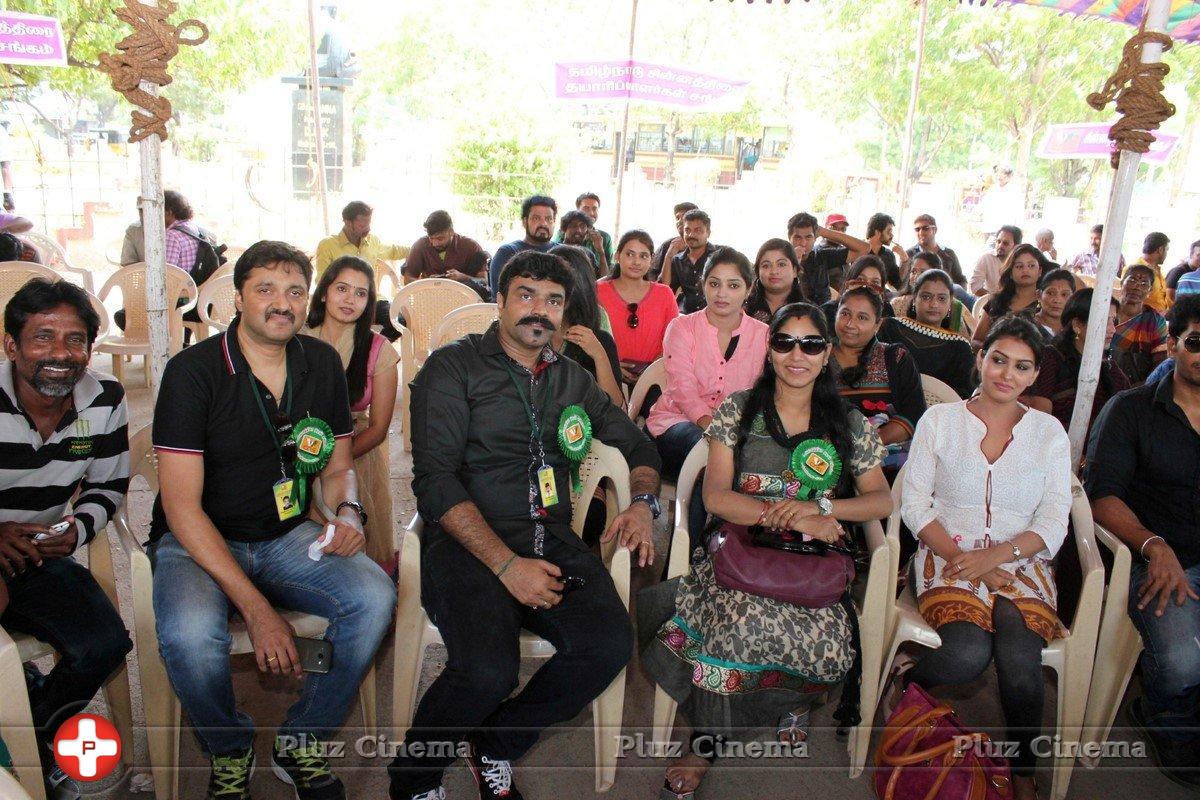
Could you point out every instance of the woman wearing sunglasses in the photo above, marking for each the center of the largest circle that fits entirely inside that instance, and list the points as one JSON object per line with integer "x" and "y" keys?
{"x": 987, "y": 490}
{"x": 338, "y": 316}
{"x": 922, "y": 329}
{"x": 709, "y": 354}
{"x": 880, "y": 380}
{"x": 715, "y": 649}
{"x": 638, "y": 309}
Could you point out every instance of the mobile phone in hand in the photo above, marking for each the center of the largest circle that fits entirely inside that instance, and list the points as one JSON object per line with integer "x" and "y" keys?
{"x": 571, "y": 583}
{"x": 57, "y": 529}
{"x": 316, "y": 655}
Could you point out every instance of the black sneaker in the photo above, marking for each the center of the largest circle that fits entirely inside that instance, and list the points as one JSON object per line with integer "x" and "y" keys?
{"x": 307, "y": 771}
{"x": 1175, "y": 760}
{"x": 493, "y": 777}
{"x": 230, "y": 776}
{"x": 59, "y": 786}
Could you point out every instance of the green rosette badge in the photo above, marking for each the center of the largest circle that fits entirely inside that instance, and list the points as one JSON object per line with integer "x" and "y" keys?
{"x": 575, "y": 440}
{"x": 314, "y": 447}
{"x": 816, "y": 466}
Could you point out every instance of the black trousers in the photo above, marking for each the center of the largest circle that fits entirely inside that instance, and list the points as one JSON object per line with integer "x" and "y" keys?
{"x": 61, "y": 604}
{"x": 480, "y": 623}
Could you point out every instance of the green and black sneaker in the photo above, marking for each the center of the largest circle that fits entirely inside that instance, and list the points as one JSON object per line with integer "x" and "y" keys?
{"x": 307, "y": 771}
{"x": 230, "y": 778}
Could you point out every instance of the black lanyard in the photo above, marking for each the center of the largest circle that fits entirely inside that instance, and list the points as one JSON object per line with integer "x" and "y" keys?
{"x": 537, "y": 451}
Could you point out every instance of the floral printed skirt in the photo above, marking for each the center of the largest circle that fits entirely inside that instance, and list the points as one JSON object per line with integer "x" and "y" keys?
{"x": 734, "y": 660}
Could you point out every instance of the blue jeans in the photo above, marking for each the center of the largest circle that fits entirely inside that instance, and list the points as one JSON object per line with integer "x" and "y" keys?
{"x": 192, "y": 621}
{"x": 1171, "y": 659}
{"x": 673, "y": 447}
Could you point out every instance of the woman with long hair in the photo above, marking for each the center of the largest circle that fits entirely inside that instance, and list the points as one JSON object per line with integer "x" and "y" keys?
{"x": 924, "y": 331}
{"x": 957, "y": 318}
{"x": 1054, "y": 390}
{"x": 710, "y": 354}
{"x": 1054, "y": 289}
{"x": 867, "y": 272}
{"x": 777, "y": 281}
{"x": 341, "y": 313}
{"x": 734, "y": 660}
{"x": 1019, "y": 281}
{"x": 582, "y": 336}
{"x": 881, "y": 380}
{"x": 987, "y": 491}
{"x": 638, "y": 308}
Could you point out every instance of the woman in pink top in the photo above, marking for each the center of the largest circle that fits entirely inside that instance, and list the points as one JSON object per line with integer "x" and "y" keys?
{"x": 710, "y": 354}
{"x": 639, "y": 309}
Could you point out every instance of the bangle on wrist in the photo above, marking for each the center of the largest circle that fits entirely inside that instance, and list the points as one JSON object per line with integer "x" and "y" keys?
{"x": 1142, "y": 549}
{"x": 763, "y": 514}
{"x": 507, "y": 564}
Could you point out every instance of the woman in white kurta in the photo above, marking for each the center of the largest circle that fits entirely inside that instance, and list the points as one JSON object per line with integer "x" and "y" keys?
{"x": 987, "y": 492}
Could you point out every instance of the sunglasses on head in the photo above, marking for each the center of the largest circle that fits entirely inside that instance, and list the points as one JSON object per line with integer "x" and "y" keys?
{"x": 1191, "y": 343}
{"x": 809, "y": 345}
{"x": 632, "y": 322}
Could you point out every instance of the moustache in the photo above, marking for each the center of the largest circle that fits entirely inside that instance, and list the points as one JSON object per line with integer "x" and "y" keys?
{"x": 533, "y": 319}
{"x": 273, "y": 312}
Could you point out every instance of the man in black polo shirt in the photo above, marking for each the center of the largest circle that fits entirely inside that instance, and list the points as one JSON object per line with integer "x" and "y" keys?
{"x": 1144, "y": 483}
{"x": 682, "y": 273}
{"x": 823, "y": 267}
{"x": 498, "y": 420}
{"x": 243, "y": 424}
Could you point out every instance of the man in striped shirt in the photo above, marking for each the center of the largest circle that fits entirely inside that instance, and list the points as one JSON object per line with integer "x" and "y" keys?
{"x": 62, "y": 430}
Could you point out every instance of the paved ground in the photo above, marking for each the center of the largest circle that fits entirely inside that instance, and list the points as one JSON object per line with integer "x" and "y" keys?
{"x": 561, "y": 764}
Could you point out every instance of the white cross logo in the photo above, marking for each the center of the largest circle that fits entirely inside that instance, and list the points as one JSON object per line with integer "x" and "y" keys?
{"x": 87, "y": 747}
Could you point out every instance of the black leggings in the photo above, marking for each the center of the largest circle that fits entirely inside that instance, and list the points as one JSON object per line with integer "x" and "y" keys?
{"x": 965, "y": 652}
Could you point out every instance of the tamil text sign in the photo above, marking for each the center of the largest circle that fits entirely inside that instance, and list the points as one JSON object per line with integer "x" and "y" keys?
{"x": 645, "y": 82}
{"x": 1090, "y": 140}
{"x": 31, "y": 40}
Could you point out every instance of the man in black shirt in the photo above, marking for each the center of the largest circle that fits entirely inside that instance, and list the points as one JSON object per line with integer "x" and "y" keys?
{"x": 498, "y": 419}
{"x": 881, "y": 231}
{"x": 822, "y": 267}
{"x": 1144, "y": 483}
{"x": 244, "y": 422}
{"x": 682, "y": 273}
{"x": 669, "y": 247}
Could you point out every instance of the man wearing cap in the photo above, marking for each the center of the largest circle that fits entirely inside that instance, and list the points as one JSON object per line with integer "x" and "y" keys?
{"x": 834, "y": 222}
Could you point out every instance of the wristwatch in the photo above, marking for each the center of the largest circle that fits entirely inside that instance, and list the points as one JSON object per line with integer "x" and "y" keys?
{"x": 1016, "y": 551}
{"x": 824, "y": 506}
{"x": 650, "y": 500}
{"x": 357, "y": 506}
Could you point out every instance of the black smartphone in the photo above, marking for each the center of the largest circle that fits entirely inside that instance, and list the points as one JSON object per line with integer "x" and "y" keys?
{"x": 571, "y": 583}
{"x": 316, "y": 655}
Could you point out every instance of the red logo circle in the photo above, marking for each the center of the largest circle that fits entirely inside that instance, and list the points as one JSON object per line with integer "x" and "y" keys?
{"x": 87, "y": 747}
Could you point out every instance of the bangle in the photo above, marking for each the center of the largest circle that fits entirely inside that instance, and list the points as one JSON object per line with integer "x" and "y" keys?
{"x": 1142, "y": 549}
{"x": 507, "y": 564}
{"x": 763, "y": 515}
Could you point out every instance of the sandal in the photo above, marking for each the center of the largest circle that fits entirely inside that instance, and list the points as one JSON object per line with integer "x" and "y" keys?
{"x": 793, "y": 727}
{"x": 667, "y": 793}
{"x": 893, "y": 689}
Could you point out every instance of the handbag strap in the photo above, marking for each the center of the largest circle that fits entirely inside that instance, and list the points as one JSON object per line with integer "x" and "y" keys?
{"x": 920, "y": 724}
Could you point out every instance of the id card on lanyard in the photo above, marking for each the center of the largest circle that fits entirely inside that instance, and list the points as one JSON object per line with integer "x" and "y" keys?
{"x": 542, "y": 485}
{"x": 286, "y": 492}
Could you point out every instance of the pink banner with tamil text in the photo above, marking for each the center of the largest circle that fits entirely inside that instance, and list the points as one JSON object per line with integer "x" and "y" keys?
{"x": 31, "y": 40}
{"x": 1090, "y": 140}
{"x": 642, "y": 81}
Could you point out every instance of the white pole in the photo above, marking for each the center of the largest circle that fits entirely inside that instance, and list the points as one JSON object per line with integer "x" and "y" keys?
{"x": 314, "y": 84}
{"x": 1110, "y": 254}
{"x": 154, "y": 231}
{"x": 910, "y": 118}
{"x": 624, "y": 129}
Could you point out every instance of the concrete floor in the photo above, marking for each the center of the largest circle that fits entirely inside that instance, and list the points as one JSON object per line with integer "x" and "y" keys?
{"x": 561, "y": 764}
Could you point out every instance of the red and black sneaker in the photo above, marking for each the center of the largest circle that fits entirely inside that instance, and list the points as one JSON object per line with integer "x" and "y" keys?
{"x": 493, "y": 777}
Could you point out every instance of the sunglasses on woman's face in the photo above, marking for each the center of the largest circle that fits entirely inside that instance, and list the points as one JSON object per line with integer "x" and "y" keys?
{"x": 1191, "y": 343}
{"x": 809, "y": 345}
{"x": 632, "y": 322}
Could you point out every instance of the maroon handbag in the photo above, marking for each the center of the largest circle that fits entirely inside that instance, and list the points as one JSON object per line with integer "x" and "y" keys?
{"x": 812, "y": 581}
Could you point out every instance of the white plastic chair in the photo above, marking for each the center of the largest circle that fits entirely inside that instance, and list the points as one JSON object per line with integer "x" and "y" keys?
{"x": 1119, "y": 642}
{"x": 10, "y": 789}
{"x": 1071, "y": 656}
{"x": 423, "y": 304}
{"x": 654, "y": 375}
{"x": 55, "y": 257}
{"x": 131, "y": 281}
{"x": 160, "y": 703}
{"x": 415, "y": 633}
{"x": 871, "y": 618}
{"x": 15, "y": 274}
{"x": 386, "y": 272}
{"x": 937, "y": 391}
{"x": 216, "y": 304}
{"x": 16, "y": 717}
{"x": 475, "y": 318}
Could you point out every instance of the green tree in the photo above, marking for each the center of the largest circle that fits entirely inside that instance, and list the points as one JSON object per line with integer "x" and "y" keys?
{"x": 495, "y": 172}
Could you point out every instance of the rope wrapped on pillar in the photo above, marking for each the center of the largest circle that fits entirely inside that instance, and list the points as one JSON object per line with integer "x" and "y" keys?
{"x": 1137, "y": 89}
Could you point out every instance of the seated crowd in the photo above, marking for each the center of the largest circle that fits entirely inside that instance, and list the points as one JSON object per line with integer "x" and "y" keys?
{"x": 805, "y": 373}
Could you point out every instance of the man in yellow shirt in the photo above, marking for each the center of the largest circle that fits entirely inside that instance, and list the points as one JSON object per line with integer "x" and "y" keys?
{"x": 355, "y": 239}
{"x": 1154, "y": 255}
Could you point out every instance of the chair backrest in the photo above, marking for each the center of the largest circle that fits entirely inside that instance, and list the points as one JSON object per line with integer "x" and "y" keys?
{"x": 131, "y": 280}
{"x": 215, "y": 305}
{"x": 936, "y": 391}
{"x": 385, "y": 271}
{"x": 1091, "y": 593}
{"x": 834, "y": 294}
{"x": 424, "y": 304}
{"x": 14, "y": 275}
{"x": 52, "y": 252}
{"x": 654, "y": 375}
{"x": 142, "y": 459}
{"x": 475, "y": 318}
{"x": 977, "y": 309}
{"x": 696, "y": 460}
{"x": 603, "y": 462}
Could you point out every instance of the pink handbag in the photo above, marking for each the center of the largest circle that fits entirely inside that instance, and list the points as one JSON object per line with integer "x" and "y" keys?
{"x": 926, "y": 754}
{"x": 812, "y": 581}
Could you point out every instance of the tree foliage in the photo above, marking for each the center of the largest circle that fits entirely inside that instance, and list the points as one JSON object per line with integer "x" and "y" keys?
{"x": 495, "y": 173}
